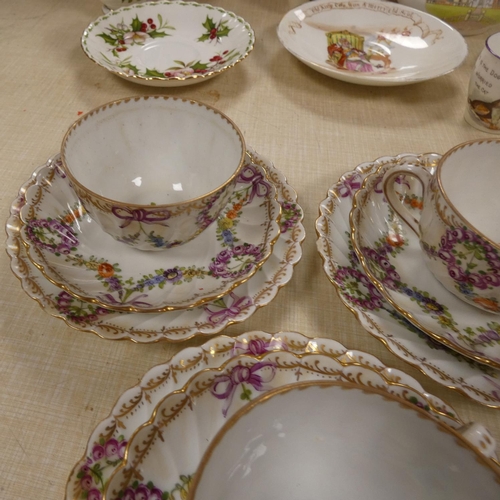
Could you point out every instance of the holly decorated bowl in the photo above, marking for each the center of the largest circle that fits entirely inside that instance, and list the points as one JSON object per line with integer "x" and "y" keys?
{"x": 168, "y": 44}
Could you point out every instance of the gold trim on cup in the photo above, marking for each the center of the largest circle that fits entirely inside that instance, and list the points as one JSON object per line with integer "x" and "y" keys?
{"x": 304, "y": 356}
{"x": 62, "y": 284}
{"x": 117, "y": 102}
{"x": 442, "y": 191}
{"x": 322, "y": 384}
{"x": 354, "y": 217}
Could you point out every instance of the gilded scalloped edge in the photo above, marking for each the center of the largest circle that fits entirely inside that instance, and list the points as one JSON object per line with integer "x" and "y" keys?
{"x": 223, "y": 345}
{"x": 200, "y": 77}
{"x": 172, "y": 334}
{"x": 402, "y": 352}
{"x": 359, "y": 200}
{"x": 35, "y": 255}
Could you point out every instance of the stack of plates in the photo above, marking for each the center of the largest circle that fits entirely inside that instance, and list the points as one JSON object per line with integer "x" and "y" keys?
{"x": 82, "y": 275}
{"x": 375, "y": 261}
{"x": 153, "y": 440}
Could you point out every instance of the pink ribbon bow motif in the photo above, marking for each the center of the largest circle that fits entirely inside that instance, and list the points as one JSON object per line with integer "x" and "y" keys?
{"x": 141, "y": 215}
{"x": 258, "y": 375}
{"x": 260, "y": 187}
{"x": 350, "y": 186}
{"x": 238, "y": 305}
{"x": 256, "y": 347}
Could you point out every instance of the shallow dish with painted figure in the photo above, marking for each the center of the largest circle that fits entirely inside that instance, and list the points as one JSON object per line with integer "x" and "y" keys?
{"x": 371, "y": 43}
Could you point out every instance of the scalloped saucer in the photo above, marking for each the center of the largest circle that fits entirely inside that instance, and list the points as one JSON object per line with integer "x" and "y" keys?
{"x": 174, "y": 326}
{"x": 73, "y": 252}
{"x": 391, "y": 256}
{"x": 479, "y": 382}
{"x": 219, "y": 377}
{"x": 168, "y": 44}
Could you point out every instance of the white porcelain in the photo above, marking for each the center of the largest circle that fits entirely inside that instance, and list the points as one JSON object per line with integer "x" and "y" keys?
{"x": 153, "y": 171}
{"x": 483, "y": 98}
{"x": 214, "y": 377}
{"x": 378, "y": 317}
{"x": 72, "y": 251}
{"x": 336, "y": 440}
{"x": 174, "y": 326}
{"x": 467, "y": 18}
{"x": 392, "y": 258}
{"x": 371, "y": 43}
{"x": 457, "y": 228}
{"x": 167, "y": 44}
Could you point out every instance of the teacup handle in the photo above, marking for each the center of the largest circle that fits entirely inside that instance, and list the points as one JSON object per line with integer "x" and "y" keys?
{"x": 480, "y": 437}
{"x": 391, "y": 195}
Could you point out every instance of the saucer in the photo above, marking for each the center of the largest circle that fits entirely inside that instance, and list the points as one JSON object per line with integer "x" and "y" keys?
{"x": 167, "y": 450}
{"x": 168, "y": 44}
{"x": 371, "y": 43}
{"x": 391, "y": 256}
{"x": 72, "y": 251}
{"x": 479, "y": 382}
{"x": 174, "y": 326}
{"x": 308, "y": 358}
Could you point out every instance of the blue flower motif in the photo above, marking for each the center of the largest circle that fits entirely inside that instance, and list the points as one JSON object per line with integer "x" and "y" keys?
{"x": 228, "y": 237}
{"x": 156, "y": 241}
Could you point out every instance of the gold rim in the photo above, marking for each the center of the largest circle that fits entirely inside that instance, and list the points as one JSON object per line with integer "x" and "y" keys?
{"x": 34, "y": 291}
{"x": 355, "y": 213}
{"x": 375, "y": 329}
{"x": 440, "y": 166}
{"x": 299, "y": 356}
{"x": 263, "y": 398}
{"x": 273, "y": 225}
{"x": 142, "y": 79}
{"x": 125, "y": 100}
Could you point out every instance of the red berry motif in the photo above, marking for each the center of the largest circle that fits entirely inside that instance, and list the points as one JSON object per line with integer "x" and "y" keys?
{"x": 150, "y": 21}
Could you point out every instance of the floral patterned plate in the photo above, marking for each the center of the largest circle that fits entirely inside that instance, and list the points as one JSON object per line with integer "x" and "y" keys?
{"x": 174, "y": 326}
{"x": 391, "y": 257}
{"x": 371, "y": 43}
{"x": 445, "y": 366}
{"x": 72, "y": 251}
{"x": 168, "y": 44}
{"x": 224, "y": 373}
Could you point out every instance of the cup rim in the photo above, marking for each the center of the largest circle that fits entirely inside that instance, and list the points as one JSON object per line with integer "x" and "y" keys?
{"x": 166, "y": 97}
{"x": 236, "y": 417}
{"x": 440, "y": 165}
{"x": 488, "y": 47}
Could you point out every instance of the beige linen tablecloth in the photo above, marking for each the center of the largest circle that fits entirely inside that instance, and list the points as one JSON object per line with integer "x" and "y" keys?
{"x": 58, "y": 383}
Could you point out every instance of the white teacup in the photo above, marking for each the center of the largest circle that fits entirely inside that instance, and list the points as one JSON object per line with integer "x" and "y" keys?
{"x": 323, "y": 440}
{"x": 459, "y": 229}
{"x": 153, "y": 171}
{"x": 483, "y": 103}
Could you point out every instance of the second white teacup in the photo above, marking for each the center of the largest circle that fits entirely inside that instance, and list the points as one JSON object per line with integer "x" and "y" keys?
{"x": 153, "y": 171}
{"x": 459, "y": 229}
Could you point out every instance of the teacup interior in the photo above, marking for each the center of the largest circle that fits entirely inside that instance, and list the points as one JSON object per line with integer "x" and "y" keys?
{"x": 470, "y": 177}
{"x": 338, "y": 441}
{"x": 155, "y": 150}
